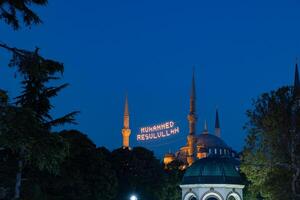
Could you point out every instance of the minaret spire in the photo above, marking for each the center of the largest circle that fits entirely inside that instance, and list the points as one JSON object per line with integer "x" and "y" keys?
{"x": 296, "y": 83}
{"x": 193, "y": 95}
{"x": 126, "y": 130}
{"x": 192, "y": 118}
{"x": 205, "y": 130}
{"x": 217, "y": 124}
{"x": 126, "y": 114}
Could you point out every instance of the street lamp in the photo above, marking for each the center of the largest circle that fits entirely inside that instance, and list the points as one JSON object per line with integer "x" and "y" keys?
{"x": 133, "y": 197}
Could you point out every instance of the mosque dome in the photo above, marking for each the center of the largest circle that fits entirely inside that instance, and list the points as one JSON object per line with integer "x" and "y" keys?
{"x": 168, "y": 158}
{"x": 169, "y": 155}
{"x": 210, "y": 141}
{"x": 213, "y": 170}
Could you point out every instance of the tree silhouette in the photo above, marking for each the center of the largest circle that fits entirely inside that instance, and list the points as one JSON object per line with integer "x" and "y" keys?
{"x": 267, "y": 157}
{"x": 26, "y": 124}
{"x": 139, "y": 172}
{"x": 12, "y": 11}
{"x": 84, "y": 174}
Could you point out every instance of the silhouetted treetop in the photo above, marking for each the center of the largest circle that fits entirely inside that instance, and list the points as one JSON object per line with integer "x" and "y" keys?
{"x": 37, "y": 72}
{"x": 14, "y": 11}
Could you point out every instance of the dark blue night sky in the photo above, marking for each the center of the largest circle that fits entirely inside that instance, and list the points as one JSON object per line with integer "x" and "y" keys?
{"x": 147, "y": 49}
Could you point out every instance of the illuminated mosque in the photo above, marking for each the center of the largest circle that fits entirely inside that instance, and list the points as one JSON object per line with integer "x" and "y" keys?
{"x": 200, "y": 145}
{"x": 212, "y": 171}
{"x": 212, "y": 167}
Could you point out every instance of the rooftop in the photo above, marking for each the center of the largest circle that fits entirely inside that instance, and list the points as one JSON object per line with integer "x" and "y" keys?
{"x": 213, "y": 170}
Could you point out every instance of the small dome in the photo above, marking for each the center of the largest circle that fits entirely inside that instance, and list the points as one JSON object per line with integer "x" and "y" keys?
{"x": 213, "y": 170}
{"x": 168, "y": 158}
{"x": 209, "y": 140}
{"x": 169, "y": 155}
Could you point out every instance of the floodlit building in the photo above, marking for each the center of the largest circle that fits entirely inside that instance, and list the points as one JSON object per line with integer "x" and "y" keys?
{"x": 169, "y": 157}
{"x": 212, "y": 167}
{"x": 200, "y": 145}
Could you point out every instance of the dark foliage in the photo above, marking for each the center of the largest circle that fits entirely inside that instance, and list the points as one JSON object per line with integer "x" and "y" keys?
{"x": 174, "y": 175}
{"x": 85, "y": 174}
{"x": 37, "y": 72}
{"x": 8, "y": 168}
{"x": 12, "y": 11}
{"x": 267, "y": 157}
{"x": 26, "y": 123}
{"x": 138, "y": 172}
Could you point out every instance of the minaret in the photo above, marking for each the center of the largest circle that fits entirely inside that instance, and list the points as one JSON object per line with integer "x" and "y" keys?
{"x": 205, "y": 130}
{"x": 294, "y": 141}
{"x": 296, "y": 98}
{"x": 126, "y": 130}
{"x": 296, "y": 92}
{"x": 217, "y": 125}
{"x": 192, "y": 118}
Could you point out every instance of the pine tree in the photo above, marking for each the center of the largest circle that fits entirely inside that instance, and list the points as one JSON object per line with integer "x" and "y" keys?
{"x": 26, "y": 124}
{"x": 12, "y": 10}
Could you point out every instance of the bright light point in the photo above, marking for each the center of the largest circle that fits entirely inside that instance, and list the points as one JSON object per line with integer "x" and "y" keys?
{"x": 133, "y": 197}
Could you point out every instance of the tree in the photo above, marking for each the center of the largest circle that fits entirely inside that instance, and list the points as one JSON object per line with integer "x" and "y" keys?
{"x": 36, "y": 147}
{"x": 10, "y": 10}
{"x": 84, "y": 174}
{"x": 95, "y": 176}
{"x": 7, "y": 160}
{"x": 26, "y": 125}
{"x": 138, "y": 172}
{"x": 7, "y": 173}
{"x": 273, "y": 143}
{"x": 174, "y": 175}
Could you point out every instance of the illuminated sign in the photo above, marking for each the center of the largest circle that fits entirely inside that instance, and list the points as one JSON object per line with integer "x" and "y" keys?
{"x": 158, "y": 131}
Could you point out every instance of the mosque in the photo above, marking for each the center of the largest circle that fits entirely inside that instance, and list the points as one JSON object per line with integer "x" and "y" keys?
{"x": 213, "y": 172}
{"x": 212, "y": 167}
{"x": 200, "y": 145}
